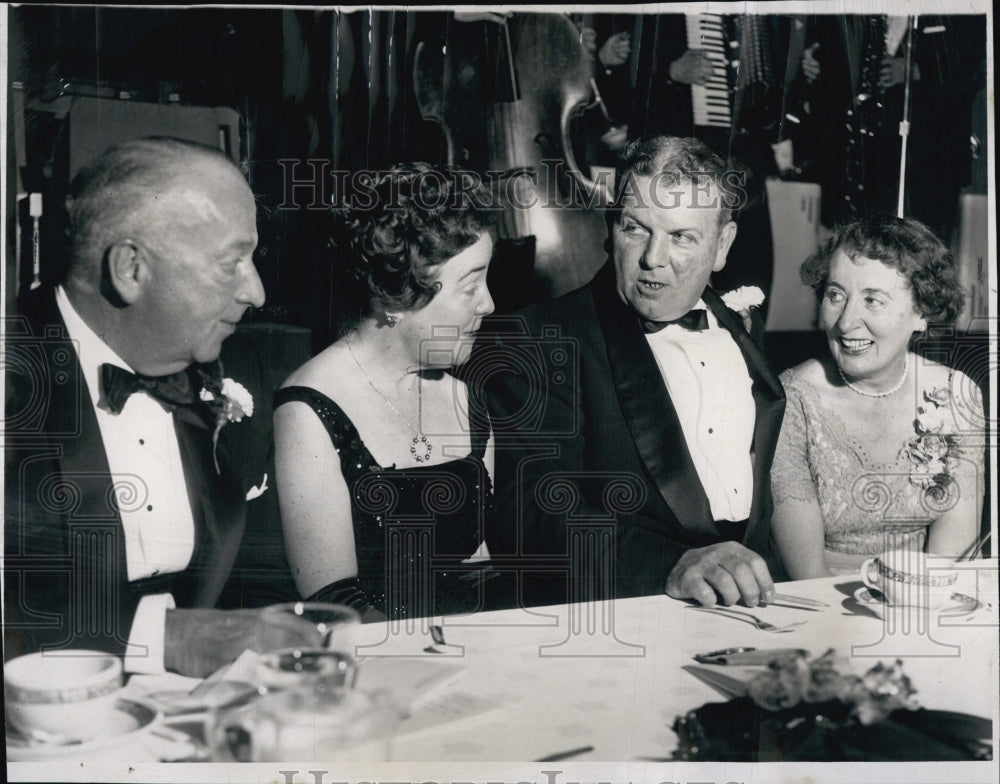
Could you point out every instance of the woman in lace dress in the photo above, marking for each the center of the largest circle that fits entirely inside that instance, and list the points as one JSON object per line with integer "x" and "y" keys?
{"x": 879, "y": 448}
{"x": 382, "y": 480}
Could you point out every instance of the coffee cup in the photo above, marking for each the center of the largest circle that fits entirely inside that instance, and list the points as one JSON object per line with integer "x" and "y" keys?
{"x": 908, "y": 578}
{"x": 62, "y": 697}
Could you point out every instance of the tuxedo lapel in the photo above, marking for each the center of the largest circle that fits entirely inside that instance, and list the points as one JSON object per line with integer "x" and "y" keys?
{"x": 66, "y": 517}
{"x": 70, "y": 421}
{"x": 217, "y": 505}
{"x": 769, "y": 405}
{"x": 217, "y": 500}
{"x": 648, "y": 410}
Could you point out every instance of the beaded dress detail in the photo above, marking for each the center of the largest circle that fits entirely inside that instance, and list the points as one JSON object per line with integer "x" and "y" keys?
{"x": 822, "y": 457}
{"x": 413, "y": 526}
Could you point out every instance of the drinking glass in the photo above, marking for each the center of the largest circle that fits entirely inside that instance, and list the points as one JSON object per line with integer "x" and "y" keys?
{"x": 332, "y": 661}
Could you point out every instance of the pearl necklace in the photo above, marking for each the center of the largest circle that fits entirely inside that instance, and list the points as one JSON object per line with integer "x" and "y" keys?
{"x": 893, "y": 391}
{"x": 419, "y": 441}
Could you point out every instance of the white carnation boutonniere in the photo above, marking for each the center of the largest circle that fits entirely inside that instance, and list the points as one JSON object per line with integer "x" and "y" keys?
{"x": 229, "y": 400}
{"x": 741, "y": 300}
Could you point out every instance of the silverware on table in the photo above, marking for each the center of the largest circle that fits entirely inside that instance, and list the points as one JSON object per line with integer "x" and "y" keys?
{"x": 741, "y": 657}
{"x": 787, "y": 599}
{"x": 791, "y": 606}
{"x": 760, "y": 623}
{"x": 561, "y": 755}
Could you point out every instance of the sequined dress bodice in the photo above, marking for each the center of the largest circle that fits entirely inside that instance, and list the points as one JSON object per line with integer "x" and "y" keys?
{"x": 413, "y": 526}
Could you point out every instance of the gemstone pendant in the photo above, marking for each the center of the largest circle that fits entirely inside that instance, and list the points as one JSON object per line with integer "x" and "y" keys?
{"x": 421, "y": 449}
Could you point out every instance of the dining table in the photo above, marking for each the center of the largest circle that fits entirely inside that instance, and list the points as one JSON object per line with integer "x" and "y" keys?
{"x": 590, "y": 684}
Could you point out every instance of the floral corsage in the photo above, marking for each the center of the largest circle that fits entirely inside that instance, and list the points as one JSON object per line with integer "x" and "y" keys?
{"x": 868, "y": 699}
{"x": 229, "y": 400}
{"x": 741, "y": 300}
{"x": 931, "y": 452}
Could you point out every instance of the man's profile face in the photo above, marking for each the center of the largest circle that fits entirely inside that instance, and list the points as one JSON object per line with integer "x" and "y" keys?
{"x": 203, "y": 232}
{"x": 666, "y": 243}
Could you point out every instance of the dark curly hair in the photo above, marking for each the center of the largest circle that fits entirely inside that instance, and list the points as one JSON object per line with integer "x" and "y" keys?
{"x": 399, "y": 226}
{"x": 905, "y": 245}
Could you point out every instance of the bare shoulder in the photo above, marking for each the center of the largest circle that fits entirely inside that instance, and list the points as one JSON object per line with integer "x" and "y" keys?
{"x": 932, "y": 375}
{"x": 942, "y": 384}
{"x": 326, "y": 372}
{"x": 813, "y": 372}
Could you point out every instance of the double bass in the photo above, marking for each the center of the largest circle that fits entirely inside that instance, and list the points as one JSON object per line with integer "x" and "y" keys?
{"x": 505, "y": 101}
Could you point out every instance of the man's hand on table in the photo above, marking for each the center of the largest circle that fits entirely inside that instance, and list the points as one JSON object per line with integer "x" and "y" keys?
{"x": 198, "y": 642}
{"x": 721, "y": 573}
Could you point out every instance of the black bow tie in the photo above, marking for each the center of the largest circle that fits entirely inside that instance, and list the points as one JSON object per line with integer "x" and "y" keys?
{"x": 694, "y": 320}
{"x": 117, "y": 384}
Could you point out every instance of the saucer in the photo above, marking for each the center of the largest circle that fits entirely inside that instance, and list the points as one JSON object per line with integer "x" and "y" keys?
{"x": 129, "y": 721}
{"x": 958, "y": 604}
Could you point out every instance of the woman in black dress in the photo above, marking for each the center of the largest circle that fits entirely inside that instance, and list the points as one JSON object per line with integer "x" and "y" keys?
{"x": 382, "y": 469}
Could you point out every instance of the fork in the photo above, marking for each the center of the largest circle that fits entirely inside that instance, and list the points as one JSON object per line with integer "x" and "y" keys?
{"x": 750, "y": 618}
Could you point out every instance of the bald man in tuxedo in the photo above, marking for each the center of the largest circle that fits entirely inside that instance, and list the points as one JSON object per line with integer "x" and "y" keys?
{"x": 133, "y": 453}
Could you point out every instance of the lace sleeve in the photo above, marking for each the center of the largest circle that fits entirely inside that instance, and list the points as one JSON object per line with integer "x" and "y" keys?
{"x": 790, "y": 475}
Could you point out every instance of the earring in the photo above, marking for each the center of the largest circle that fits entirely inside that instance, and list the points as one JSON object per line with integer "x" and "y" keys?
{"x": 391, "y": 319}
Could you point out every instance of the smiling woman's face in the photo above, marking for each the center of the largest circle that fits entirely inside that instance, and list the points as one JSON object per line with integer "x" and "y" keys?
{"x": 869, "y": 316}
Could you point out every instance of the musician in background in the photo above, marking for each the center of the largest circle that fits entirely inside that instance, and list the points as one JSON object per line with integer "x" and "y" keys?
{"x": 666, "y": 70}
{"x": 462, "y": 60}
{"x": 602, "y": 128}
{"x": 855, "y": 66}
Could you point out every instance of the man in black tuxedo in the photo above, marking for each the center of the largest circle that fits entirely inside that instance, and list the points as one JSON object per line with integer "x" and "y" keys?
{"x": 635, "y": 418}
{"x": 132, "y": 453}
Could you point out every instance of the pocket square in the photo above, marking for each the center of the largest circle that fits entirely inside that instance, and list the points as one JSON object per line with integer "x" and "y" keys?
{"x": 257, "y": 492}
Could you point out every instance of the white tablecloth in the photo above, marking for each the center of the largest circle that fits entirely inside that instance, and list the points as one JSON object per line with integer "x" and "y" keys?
{"x": 609, "y": 676}
{"x": 616, "y": 683}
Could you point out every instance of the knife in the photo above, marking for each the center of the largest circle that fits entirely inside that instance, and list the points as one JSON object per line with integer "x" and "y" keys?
{"x": 749, "y": 656}
{"x": 789, "y": 599}
{"x": 791, "y": 606}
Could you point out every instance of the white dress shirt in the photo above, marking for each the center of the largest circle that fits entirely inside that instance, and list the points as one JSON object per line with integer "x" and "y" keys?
{"x": 710, "y": 387}
{"x": 148, "y": 477}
